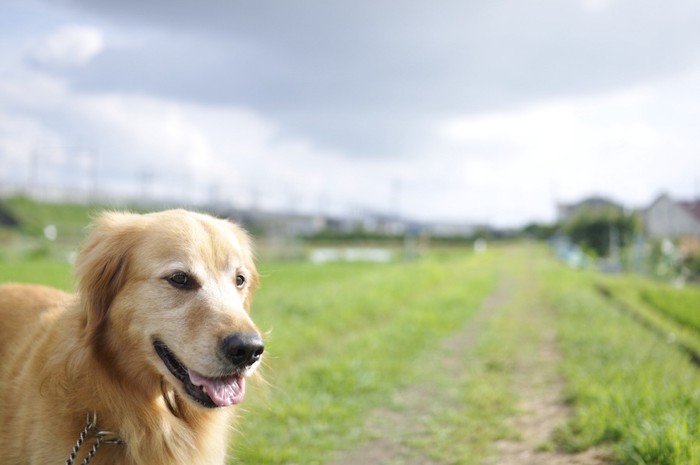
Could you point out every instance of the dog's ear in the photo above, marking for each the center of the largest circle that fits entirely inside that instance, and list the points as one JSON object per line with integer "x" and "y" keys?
{"x": 101, "y": 266}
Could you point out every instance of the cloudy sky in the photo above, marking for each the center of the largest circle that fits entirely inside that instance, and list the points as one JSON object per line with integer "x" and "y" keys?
{"x": 455, "y": 110}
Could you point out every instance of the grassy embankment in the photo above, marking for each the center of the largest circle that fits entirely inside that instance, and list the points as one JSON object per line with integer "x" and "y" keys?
{"x": 633, "y": 389}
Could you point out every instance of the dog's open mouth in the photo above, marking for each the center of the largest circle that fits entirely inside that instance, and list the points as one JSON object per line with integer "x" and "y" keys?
{"x": 209, "y": 392}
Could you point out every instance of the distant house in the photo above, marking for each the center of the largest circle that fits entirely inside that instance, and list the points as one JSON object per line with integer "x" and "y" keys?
{"x": 666, "y": 218}
{"x": 595, "y": 205}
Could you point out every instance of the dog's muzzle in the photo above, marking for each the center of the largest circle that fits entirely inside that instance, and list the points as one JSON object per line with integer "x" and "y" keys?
{"x": 242, "y": 350}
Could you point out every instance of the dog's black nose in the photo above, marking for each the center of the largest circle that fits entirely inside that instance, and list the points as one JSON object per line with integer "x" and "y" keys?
{"x": 243, "y": 349}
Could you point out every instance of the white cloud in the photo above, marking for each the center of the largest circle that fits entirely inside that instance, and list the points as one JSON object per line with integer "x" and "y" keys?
{"x": 595, "y": 6}
{"x": 68, "y": 46}
{"x": 613, "y": 144}
{"x": 504, "y": 167}
{"x": 187, "y": 151}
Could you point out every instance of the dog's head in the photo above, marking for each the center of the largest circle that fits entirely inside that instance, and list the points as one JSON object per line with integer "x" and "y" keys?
{"x": 166, "y": 296}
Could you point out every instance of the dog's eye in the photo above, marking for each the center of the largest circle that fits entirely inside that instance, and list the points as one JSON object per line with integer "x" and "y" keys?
{"x": 181, "y": 281}
{"x": 240, "y": 281}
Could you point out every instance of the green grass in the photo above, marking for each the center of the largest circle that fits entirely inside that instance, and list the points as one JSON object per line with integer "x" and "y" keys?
{"x": 683, "y": 305}
{"x": 69, "y": 218}
{"x": 27, "y": 242}
{"x": 628, "y": 294}
{"x": 632, "y": 391}
{"x": 480, "y": 400}
{"x": 345, "y": 337}
{"x": 38, "y": 271}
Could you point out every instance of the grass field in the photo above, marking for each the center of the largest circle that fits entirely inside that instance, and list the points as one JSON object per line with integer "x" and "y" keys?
{"x": 344, "y": 337}
{"x": 684, "y": 307}
{"x": 347, "y": 340}
{"x": 632, "y": 389}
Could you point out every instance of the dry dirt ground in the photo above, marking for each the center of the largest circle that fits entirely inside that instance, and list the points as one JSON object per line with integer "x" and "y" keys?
{"x": 541, "y": 407}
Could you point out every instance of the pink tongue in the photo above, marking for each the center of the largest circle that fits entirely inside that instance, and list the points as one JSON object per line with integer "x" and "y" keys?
{"x": 222, "y": 391}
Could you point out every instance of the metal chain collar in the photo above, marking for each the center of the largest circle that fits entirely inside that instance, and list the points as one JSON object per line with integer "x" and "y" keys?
{"x": 100, "y": 438}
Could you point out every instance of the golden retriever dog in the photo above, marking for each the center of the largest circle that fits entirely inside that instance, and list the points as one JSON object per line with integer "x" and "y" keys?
{"x": 154, "y": 348}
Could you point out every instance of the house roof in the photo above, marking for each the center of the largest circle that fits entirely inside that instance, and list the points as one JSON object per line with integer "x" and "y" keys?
{"x": 693, "y": 207}
{"x": 596, "y": 202}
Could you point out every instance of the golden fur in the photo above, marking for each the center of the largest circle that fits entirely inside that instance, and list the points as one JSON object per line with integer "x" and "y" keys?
{"x": 63, "y": 356}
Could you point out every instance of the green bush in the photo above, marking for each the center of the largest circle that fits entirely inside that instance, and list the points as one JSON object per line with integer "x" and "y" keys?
{"x": 593, "y": 230}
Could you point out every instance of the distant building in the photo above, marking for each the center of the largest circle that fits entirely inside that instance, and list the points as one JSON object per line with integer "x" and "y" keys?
{"x": 378, "y": 223}
{"x": 452, "y": 229}
{"x": 595, "y": 205}
{"x": 283, "y": 223}
{"x": 666, "y": 218}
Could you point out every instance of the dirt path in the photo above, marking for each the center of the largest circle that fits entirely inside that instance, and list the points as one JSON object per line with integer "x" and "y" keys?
{"x": 541, "y": 409}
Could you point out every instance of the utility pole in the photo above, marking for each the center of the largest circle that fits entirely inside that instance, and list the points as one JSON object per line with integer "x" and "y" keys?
{"x": 146, "y": 181}
{"x": 395, "y": 198}
{"x": 614, "y": 246}
{"x": 94, "y": 160}
{"x": 33, "y": 178}
{"x": 89, "y": 163}
{"x": 255, "y": 199}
